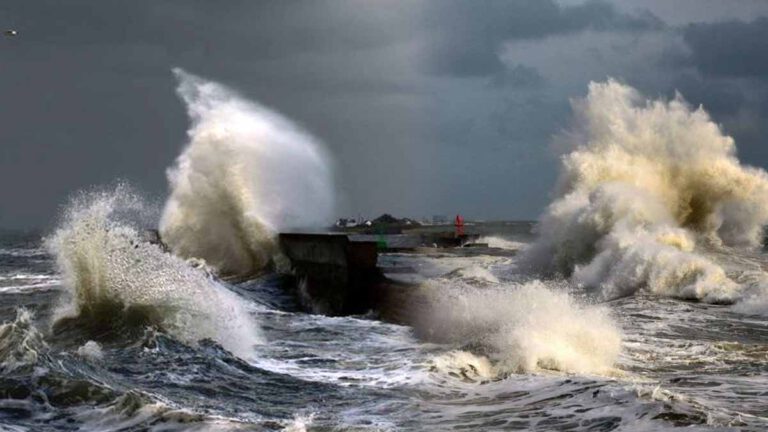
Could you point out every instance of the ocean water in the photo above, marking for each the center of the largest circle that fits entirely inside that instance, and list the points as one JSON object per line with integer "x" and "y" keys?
{"x": 641, "y": 362}
{"x": 637, "y": 302}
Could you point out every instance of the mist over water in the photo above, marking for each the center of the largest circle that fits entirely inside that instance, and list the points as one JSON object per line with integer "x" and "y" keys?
{"x": 246, "y": 174}
{"x": 645, "y": 188}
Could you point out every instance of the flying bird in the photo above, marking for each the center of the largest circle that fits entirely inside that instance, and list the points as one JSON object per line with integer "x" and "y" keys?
{"x": 11, "y": 33}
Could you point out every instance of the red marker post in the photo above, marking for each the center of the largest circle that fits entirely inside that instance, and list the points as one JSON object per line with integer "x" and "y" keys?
{"x": 459, "y": 225}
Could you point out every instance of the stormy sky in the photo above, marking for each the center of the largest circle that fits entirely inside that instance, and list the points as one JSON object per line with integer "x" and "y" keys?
{"x": 427, "y": 106}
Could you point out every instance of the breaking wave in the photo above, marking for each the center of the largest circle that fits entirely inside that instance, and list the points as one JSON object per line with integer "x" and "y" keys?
{"x": 246, "y": 173}
{"x": 501, "y": 243}
{"x": 645, "y": 188}
{"x": 116, "y": 280}
{"x": 20, "y": 343}
{"x": 516, "y": 329}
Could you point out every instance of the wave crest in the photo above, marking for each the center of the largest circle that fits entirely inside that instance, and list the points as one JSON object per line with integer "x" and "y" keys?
{"x": 116, "y": 281}
{"x": 645, "y": 182}
{"x": 246, "y": 173}
{"x": 521, "y": 328}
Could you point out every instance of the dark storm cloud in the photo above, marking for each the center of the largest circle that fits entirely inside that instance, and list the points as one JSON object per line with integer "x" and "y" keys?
{"x": 266, "y": 28}
{"x": 468, "y": 35}
{"x": 89, "y": 95}
{"x": 519, "y": 77}
{"x": 730, "y": 49}
{"x": 726, "y": 70}
{"x": 427, "y": 106}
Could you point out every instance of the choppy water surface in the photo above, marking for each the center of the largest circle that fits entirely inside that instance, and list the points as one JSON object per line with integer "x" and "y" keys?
{"x": 678, "y": 363}
{"x": 640, "y": 303}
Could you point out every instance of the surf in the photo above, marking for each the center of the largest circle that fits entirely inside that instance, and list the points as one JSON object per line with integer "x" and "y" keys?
{"x": 246, "y": 174}
{"x": 115, "y": 281}
{"x": 646, "y": 186}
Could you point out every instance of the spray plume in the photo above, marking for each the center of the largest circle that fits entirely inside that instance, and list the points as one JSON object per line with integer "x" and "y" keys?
{"x": 646, "y": 186}
{"x": 116, "y": 280}
{"x": 246, "y": 174}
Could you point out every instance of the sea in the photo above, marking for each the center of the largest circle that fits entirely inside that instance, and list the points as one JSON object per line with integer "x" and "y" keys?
{"x": 638, "y": 300}
{"x": 677, "y": 363}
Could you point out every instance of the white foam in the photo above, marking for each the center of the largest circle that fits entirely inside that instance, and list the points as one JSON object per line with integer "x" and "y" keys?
{"x": 464, "y": 364}
{"x": 501, "y": 243}
{"x": 19, "y": 289}
{"x": 246, "y": 173}
{"x": 91, "y": 350}
{"x": 525, "y": 327}
{"x": 643, "y": 184}
{"x": 299, "y": 423}
{"x": 22, "y": 252}
{"x": 21, "y": 343}
{"x": 108, "y": 271}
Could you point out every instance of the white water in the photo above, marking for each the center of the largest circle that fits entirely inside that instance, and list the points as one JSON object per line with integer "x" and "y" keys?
{"x": 501, "y": 243}
{"x": 20, "y": 342}
{"x": 91, "y": 350}
{"x": 647, "y": 185}
{"x": 523, "y": 327}
{"x": 246, "y": 173}
{"x": 110, "y": 274}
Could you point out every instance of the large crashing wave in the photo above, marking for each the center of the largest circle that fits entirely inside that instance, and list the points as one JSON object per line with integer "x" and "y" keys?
{"x": 645, "y": 186}
{"x": 246, "y": 174}
{"x": 520, "y": 328}
{"x": 116, "y": 280}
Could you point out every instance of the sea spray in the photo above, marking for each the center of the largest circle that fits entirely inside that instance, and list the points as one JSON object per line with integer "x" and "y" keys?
{"x": 501, "y": 243}
{"x": 520, "y": 328}
{"x": 643, "y": 183}
{"x": 20, "y": 343}
{"x": 114, "y": 279}
{"x": 246, "y": 174}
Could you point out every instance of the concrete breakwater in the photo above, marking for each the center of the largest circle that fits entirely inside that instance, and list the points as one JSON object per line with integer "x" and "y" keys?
{"x": 335, "y": 276}
{"x": 338, "y": 274}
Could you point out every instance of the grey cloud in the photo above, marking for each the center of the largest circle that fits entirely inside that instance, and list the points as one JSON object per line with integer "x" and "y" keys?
{"x": 719, "y": 98}
{"x": 467, "y": 36}
{"x": 729, "y": 49}
{"x": 267, "y": 28}
{"x": 90, "y": 96}
{"x": 427, "y": 106}
{"x": 519, "y": 77}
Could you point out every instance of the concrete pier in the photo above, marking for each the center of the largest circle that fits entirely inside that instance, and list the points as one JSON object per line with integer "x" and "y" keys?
{"x": 335, "y": 276}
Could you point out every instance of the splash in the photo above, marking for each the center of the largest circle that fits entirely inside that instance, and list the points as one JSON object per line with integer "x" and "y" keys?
{"x": 246, "y": 173}
{"x": 91, "y": 350}
{"x": 501, "y": 243}
{"x": 645, "y": 186}
{"x": 115, "y": 280}
{"x": 464, "y": 365}
{"x": 21, "y": 344}
{"x": 300, "y": 423}
{"x": 521, "y": 328}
